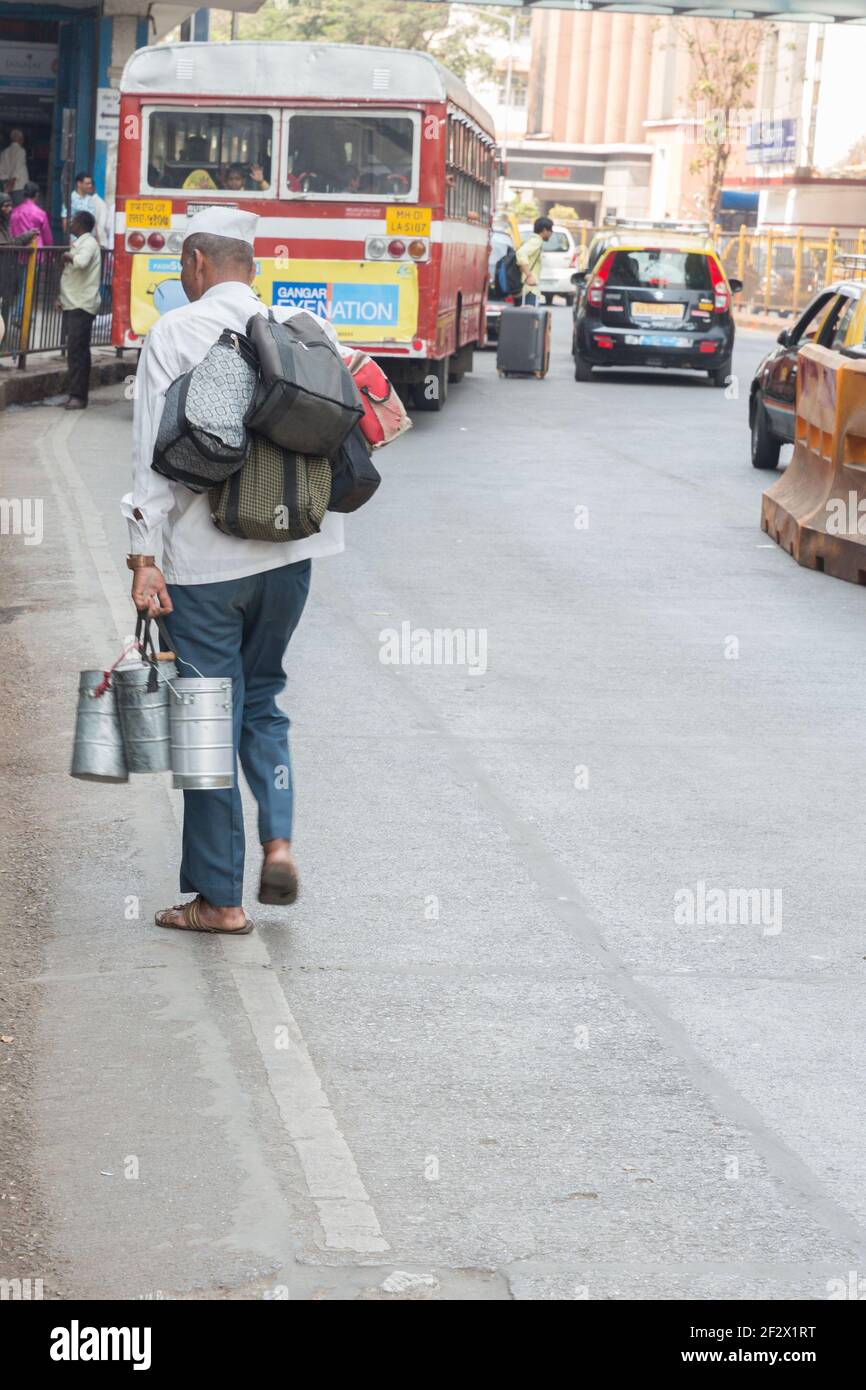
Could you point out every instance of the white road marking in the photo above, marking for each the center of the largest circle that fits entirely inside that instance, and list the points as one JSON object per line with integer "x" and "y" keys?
{"x": 346, "y": 1214}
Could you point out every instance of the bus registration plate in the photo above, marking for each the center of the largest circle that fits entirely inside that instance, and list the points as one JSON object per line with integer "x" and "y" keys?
{"x": 148, "y": 212}
{"x": 407, "y": 221}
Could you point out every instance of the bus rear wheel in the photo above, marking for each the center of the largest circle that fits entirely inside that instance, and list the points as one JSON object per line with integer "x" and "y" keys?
{"x": 432, "y": 392}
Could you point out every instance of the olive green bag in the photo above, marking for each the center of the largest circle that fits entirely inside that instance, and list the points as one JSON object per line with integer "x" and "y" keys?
{"x": 277, "y": 495}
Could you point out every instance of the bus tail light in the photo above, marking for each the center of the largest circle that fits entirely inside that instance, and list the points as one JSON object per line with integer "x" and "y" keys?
{"x": 174, "y": 244}
{"x": 377, "y": 248}
{"x": 134, "y": 241}
{"x": 722, "y": 294}
{"x": 156, "y": 241}
{"x": 595, "y": 293}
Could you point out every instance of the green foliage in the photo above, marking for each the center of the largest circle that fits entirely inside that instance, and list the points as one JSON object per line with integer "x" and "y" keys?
{"x": 385, "y": 23}
{"x": 724, "y": 55}
{"x": 524, "y": 209}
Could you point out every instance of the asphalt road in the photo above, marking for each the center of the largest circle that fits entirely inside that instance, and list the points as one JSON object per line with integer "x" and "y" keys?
{"x": 570, "y": 1005}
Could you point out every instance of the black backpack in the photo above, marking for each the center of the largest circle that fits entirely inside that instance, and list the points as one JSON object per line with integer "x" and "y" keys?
{"x": 507, "y": 275}
{"x": 353, "y": 476}
{"x": 305, "y": 400}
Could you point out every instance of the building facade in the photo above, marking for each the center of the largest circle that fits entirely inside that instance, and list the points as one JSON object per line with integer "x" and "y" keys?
{"x": 611, "y": 82}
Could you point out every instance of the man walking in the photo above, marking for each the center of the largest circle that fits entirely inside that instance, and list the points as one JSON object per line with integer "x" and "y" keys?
{"x": 230, "y": 605}
{"x": 79, "y": 300}
{"x": 529, "y": 257}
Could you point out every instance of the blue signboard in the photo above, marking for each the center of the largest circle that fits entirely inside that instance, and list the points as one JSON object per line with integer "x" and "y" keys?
{"x": 346, "y": 305}
{"x": 772, "y": 142}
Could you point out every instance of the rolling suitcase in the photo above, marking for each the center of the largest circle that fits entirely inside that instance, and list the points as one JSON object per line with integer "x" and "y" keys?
{"x": 524, "y": 342}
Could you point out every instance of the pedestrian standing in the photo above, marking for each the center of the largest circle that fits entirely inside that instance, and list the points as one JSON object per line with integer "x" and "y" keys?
{"x": 14, "y": 173}
{"x": 529, "y": 255}
{"x": 79, "y": 300}
{"x": 84, "y": 198}
{"x": 230, "y": 605}
{"x": 28, "y": 216}
{"x": 10, "y": 269}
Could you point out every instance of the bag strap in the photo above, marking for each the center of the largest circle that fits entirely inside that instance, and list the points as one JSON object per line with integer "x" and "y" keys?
{"x": 144, "y": 637}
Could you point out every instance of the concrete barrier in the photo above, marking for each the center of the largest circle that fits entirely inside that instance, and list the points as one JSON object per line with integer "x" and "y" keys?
{"x": 817, "y": 509}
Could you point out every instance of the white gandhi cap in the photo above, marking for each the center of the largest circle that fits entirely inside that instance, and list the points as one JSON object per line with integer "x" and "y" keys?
{"x": 227, "y": 222}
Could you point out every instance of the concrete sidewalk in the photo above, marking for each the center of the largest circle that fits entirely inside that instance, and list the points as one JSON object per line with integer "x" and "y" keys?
{"x": 46, "y": 375}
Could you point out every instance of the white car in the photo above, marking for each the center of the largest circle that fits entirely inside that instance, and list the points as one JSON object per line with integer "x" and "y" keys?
{"x": 558, "y": 263}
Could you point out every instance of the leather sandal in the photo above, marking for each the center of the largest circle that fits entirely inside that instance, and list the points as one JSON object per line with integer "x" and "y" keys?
{"x": 191, "y": 921}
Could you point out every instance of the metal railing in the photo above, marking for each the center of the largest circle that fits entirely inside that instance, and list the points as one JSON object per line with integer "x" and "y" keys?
{"x": 30, "y": 301}
{"x": 781, "y": 271}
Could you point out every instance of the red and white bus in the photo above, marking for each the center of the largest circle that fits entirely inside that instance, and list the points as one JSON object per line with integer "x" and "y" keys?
{"x": 371, "y": 170}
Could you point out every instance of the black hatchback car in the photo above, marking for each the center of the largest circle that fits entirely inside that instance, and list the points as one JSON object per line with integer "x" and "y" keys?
{"x": 659, "y": 301}
{"x": 773, "y": 394}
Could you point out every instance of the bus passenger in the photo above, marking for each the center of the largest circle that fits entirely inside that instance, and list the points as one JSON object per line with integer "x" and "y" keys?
{"x": 194, "y": 153}
{"x": 238, "y": 179}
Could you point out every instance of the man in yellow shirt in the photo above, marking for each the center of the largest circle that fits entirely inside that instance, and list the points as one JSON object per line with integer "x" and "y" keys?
{"x": 529, "y": 257}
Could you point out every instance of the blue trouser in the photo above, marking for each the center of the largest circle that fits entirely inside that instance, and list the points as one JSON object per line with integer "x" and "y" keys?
{"x": 239, "y": 628}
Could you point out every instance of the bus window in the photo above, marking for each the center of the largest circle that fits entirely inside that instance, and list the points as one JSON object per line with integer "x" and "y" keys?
{"x": 214, "y": 151}
{"x": 345, "y": 154}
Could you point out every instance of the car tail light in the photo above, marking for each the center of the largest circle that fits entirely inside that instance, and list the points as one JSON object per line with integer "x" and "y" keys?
{"x": 417, "y": 249}
{"x": 595, "y": 293}
{"x": 572, "y": 260}
{"x": 156, "y": 241}
{"x": 722, "y": 294}
{"x": 134, "y": 241}
{"x": 706, "y": 347}
{"x": 603, "y": 342}
{"x": 396, "y": 247}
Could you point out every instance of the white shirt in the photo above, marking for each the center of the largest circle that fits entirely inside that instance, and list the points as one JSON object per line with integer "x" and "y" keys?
{"x": 193, "y": 550}
{"x": 98, "y": 208}
{"x": 13, "y": 165}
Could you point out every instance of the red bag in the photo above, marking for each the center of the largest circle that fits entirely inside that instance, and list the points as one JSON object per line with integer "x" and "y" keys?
{"x": 384, "y": 417}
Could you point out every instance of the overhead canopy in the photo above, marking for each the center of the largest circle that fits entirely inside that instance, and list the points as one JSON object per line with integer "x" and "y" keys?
{"x": 807, "y": 11}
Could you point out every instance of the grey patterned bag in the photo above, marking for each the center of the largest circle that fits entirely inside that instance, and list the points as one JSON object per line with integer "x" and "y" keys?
{"x": 202, "y": 438}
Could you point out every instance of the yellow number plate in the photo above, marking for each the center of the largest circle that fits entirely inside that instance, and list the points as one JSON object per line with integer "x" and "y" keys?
{"x": 657, "y": 311}
{"x": 148, "y": 213}
{"x": 408, "y": 221}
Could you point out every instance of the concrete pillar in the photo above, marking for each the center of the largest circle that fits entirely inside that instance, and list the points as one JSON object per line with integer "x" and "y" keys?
{"x": 578, "y": 78}
{"x": 549, "y": 96}
{"x": 597, "y": 89}
{"x": 640, "y": 69}
{"x": 537, "y": 66}
{"x": 618, "y": 79}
